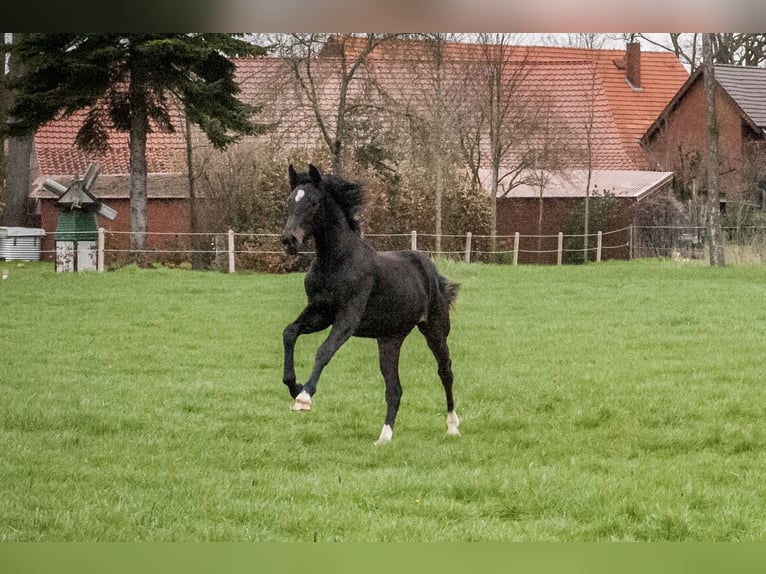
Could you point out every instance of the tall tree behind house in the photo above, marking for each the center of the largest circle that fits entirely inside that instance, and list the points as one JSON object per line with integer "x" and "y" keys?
{"x": 129, "y": 82}
{"x": 343, "y": 57}
{"x": 714, "y": 210}
{"x": 3, "y": 114}
{"x": 16, "y": 163}
{"x": 510, "y": 115}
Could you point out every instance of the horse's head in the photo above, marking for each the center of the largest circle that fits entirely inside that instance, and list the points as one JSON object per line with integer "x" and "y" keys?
{"x": 302, "y": 207}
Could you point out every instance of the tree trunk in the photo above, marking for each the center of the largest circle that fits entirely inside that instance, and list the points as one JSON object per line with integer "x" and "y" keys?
{"x": 17, "y": 181}
{"x": 138, "y": 188}
{"x": 17, "y": 166}
{"x": 586, "y": 224}
{"x": 495, "y": 120}
{"x": 540, "y": 207}
{"x": 715, "y": 237}
{"x": 494, "y": 185}
{"x": 438, "y": 206}
{"x": 197, "y": 241}
{"x": 3, "y": 120}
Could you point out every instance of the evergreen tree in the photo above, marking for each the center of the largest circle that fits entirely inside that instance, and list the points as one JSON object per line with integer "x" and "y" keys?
{"x": 129, "y": 82}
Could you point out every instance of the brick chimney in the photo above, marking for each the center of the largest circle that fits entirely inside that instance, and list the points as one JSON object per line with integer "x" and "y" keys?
{"x": 633, "y": 65}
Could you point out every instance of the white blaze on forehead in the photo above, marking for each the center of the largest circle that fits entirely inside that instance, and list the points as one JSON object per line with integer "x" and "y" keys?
{"x": 299, "y": 194}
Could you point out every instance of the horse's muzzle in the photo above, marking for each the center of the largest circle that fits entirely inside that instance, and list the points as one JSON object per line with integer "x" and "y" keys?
{"x": 291, "y": 243}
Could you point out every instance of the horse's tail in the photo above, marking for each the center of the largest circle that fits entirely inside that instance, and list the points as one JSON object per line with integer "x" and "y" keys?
{"x": 448, "y": 291}
{"x": 442, "y": 292}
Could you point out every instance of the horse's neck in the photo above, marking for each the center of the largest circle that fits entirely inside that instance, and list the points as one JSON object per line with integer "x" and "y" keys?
{"x": 334, "y": 238}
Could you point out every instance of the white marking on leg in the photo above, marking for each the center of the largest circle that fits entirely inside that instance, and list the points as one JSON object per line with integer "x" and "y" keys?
{"x": 385, "y": 435}
{"x": 452, "y": 424}
{"x": 299, "y": 195}
{"x": 302, "y": 402}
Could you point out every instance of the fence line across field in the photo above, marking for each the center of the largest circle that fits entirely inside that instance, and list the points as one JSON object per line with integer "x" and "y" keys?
{"x": 748, "y": 243}
{"x": 467, "y": 254}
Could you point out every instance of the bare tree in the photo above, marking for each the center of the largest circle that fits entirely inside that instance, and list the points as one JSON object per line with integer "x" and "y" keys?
{"x": 347, "y": 53}
{"x": 509, "y": 114}
{"x": 587, "y": 40}
{"x": 738, "y": 49}
{"x": 589, "y": 148}
{"x": 436, "y": 92}
{"x": 438, "y": 129}
{"x": 714, "y": 210}
{"x": 552, "y": 154}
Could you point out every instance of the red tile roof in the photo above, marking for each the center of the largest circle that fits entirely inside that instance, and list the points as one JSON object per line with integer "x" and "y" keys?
{"x": 622, "y": 111}
{"x": 58, "y": 156}
{"x": 571, "y": 78}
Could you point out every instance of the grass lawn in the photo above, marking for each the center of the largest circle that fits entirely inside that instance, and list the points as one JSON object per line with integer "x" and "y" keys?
{"x": 614, "y": 401}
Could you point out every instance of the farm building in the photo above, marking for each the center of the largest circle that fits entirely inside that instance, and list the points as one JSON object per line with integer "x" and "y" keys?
{"x": 57, "y": 157}
{"x": 560, "y": 206}
{"x": 600, "y": 103}
{"x": 676, "y": 140}
{"x": 167, "y": 206}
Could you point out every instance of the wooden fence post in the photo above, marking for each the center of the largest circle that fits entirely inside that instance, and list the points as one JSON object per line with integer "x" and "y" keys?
{"x": 630, "y": 242}
{"x": 100, "y": 251}
{"x": 468, "y": 237}
{"x": 414, "y": 241}
{"x": 231, "y": 251}
{"x": 560, "y": 254}
{"x": 516, "y": 248}
{"x": 598, "y": 247}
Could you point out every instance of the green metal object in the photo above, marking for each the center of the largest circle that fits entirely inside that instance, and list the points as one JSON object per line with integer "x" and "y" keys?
{"x": 76, "y": 225}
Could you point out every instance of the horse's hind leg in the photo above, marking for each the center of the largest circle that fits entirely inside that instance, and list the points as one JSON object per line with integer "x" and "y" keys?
{"x": 436, "y": 337}
{"x": 388, "y": 354}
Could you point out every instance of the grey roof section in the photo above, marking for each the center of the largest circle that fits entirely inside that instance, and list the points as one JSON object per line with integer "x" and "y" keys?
{"x": 159, "y": 186}
{"x": 747, "y": 87}
{"x": 6, "y": 232}
{"x": 572, "y": 184}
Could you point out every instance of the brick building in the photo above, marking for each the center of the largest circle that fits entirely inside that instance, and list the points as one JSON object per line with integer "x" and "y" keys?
{"x": 676, "y": 140}
{"x": 607, "y": 98}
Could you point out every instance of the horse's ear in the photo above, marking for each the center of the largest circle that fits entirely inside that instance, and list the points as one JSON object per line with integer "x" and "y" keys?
{"x": 316, "y": 177}
{"x": 293, "y": 176}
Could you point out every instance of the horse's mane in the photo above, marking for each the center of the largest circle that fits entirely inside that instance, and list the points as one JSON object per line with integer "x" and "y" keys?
{"x": 349, "y": 196}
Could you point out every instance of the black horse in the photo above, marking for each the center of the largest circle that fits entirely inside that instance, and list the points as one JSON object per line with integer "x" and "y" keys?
{"x": 361, "y": 292}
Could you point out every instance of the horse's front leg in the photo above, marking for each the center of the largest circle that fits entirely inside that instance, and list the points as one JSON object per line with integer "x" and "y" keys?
{"x": 310, "y": 320}
{"x": 289, "y": 336}
{"x": 343, "y": 328}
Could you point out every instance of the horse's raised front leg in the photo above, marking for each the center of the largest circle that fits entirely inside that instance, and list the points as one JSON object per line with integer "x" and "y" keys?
{"x": 388, "y": 354}
{"x": 339, "y": 334}
{"x": 343, "y": 327}
{"x": 310, "y": 320}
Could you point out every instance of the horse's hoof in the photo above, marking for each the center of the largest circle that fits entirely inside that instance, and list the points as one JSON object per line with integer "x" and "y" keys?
{"x": 302, "y": 402}
{"x": 452, "y": 423}
{"x": 385, "y": 436}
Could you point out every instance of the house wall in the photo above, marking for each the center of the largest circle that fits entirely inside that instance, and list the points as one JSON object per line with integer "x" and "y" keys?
{"x": 166, "y": 215}
{"x": 521, "y": 215}
{"x": 681, "y": 144}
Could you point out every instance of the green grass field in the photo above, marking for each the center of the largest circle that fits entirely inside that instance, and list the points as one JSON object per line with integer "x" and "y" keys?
{"x": 615, "y": 401}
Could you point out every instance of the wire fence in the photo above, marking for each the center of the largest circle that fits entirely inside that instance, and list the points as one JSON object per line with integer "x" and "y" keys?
{"x": 232, "y": 251}
{"x": 742, "y": 244}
